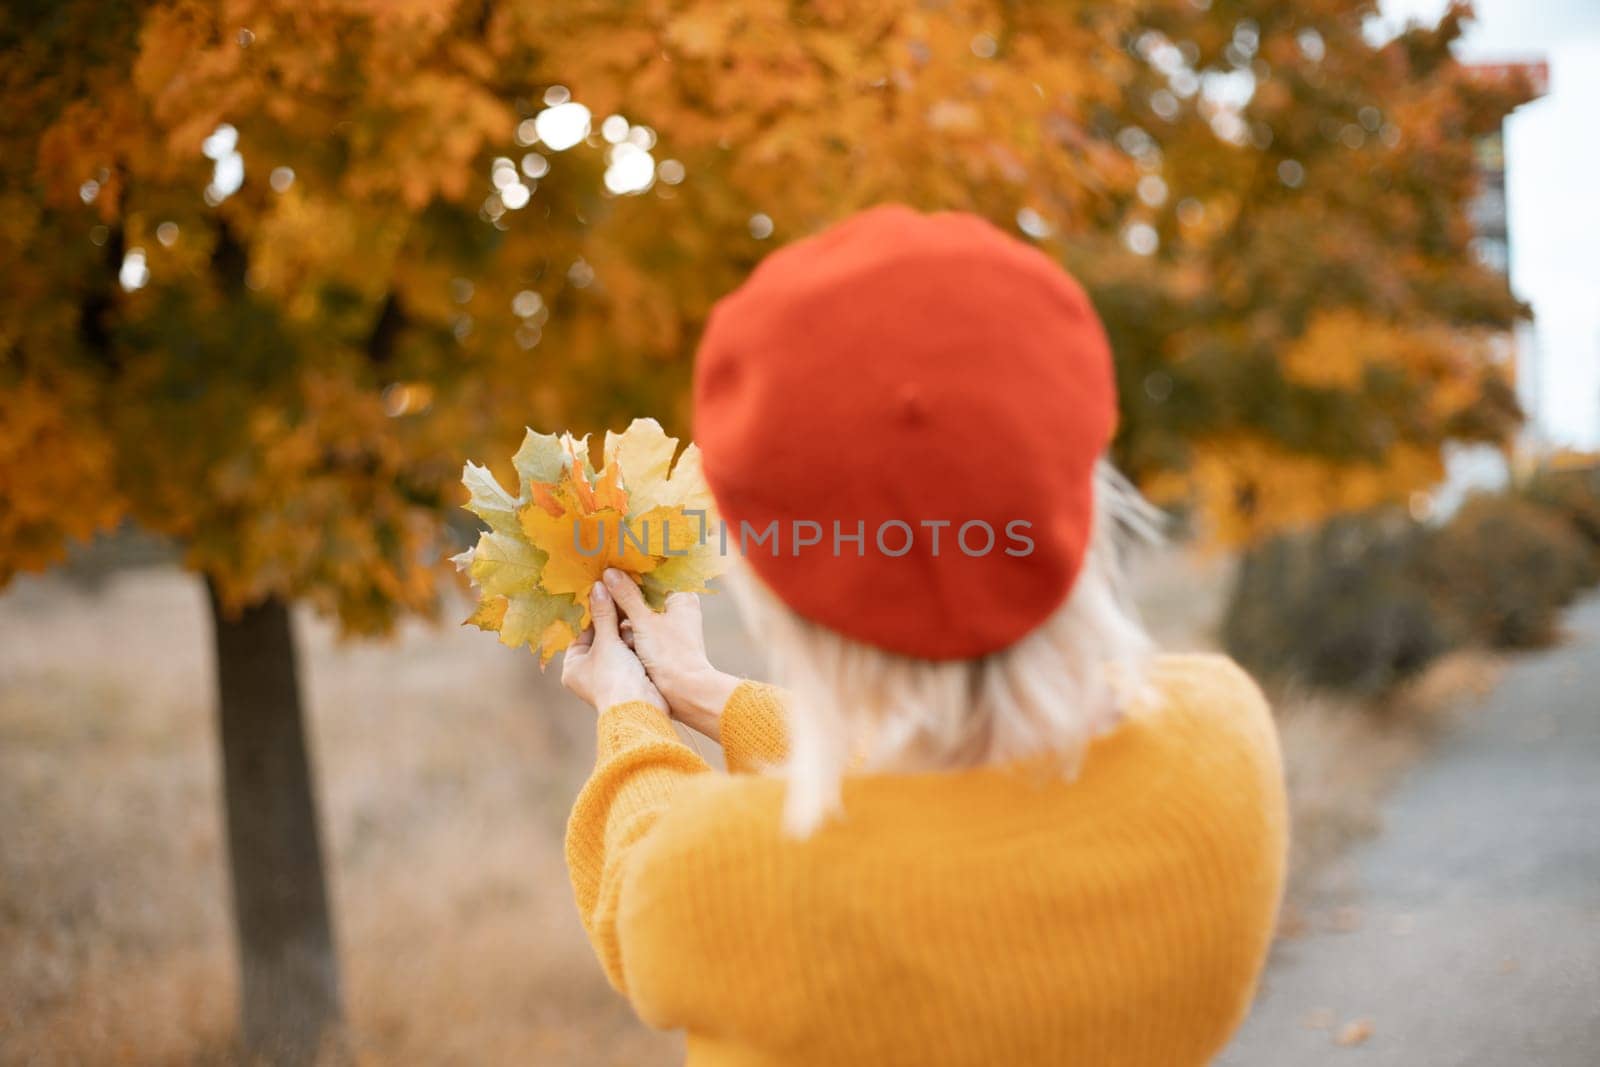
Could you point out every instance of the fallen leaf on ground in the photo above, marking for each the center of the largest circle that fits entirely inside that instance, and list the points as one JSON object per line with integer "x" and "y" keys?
{"x": 1353, "y": 1033}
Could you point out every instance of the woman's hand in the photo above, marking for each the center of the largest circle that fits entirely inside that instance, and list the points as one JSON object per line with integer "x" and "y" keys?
{"x": 600, "y": 667}
{"x": 672, "y": 646}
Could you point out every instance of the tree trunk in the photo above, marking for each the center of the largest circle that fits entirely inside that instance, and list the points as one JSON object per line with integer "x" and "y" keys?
{"x": 289, "y": 1003}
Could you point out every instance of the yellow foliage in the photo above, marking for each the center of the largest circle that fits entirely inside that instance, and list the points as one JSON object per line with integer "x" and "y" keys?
{"x": 315, "y": 508}
{"x": 1337, "y": 348}
{"x": 57, "y": 479}
{"x": 1572, "y": 459}
{"x": 289, "y": 380}
{"x": 1246, "y": 487}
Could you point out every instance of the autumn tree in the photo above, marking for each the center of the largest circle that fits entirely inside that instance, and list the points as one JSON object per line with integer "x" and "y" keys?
{"x": 273, "y": 270}
{"x": 1302, "y": 324}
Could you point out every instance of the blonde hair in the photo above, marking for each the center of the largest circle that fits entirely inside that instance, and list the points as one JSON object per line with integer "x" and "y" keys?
{"x": 856, "y": 706}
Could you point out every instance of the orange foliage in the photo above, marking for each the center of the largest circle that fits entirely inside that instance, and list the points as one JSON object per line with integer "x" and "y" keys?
{"x": 56, "y": 481}
{"x": 1248, "y": 488}
{"x": 284, "y": 374}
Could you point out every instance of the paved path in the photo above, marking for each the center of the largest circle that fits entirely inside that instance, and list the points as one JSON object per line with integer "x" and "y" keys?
{"x": 1475, "y": 919}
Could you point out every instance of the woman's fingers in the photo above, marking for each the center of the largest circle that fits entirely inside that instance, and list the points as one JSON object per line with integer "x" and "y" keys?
{"x": 604, "y": 612}
{"x": 626, "y": 594}
{"x": 574, "y": 663}
{"x": 682, "y": 603}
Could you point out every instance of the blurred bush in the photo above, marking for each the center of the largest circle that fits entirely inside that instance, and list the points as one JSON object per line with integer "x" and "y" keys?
{"x": 1574, "y": 495}
{"x": 1364, "y": 600}
{"x": 1502, "y": 569}
{"x": 1342, "y": 606}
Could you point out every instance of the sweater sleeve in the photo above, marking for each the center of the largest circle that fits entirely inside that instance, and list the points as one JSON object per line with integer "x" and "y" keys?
{"x": 639, "y": 764}
{"x": 754, "y": 734}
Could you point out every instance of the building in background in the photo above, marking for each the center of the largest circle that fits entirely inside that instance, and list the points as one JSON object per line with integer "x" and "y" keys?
{"x": 1492, "y": 245}
{"x": 1469, "y": 468}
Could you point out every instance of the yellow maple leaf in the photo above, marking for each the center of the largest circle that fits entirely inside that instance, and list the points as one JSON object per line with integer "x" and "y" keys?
{"x": 678, "y": 503}
{"x": 582, "y": 532}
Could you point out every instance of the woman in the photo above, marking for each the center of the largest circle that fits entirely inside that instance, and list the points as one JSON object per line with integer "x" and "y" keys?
{"x": 981, "y": 823}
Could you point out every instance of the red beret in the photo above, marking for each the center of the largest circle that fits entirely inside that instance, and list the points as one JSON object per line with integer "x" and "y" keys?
{"x": 928, "y": 383}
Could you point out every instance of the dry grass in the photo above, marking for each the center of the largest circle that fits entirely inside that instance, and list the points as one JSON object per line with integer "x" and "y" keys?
{"x": 447, "y": 765}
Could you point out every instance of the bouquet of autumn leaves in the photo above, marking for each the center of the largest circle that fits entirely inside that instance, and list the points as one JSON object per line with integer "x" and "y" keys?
{"x": 546, "y": 546}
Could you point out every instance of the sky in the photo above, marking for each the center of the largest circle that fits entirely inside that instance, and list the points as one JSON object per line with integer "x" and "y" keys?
{"x": 1553, "y": 193}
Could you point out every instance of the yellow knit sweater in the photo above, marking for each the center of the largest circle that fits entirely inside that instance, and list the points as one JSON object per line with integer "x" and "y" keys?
{"x": 993, "y": 916}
